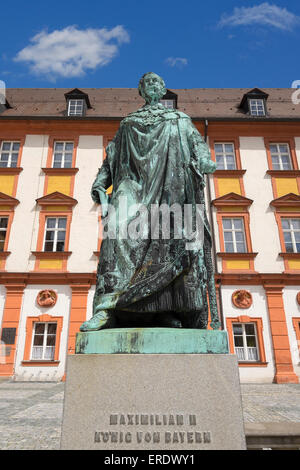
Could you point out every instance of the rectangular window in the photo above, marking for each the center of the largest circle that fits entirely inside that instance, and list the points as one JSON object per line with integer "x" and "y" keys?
{"x": 55, "y": 234}
{"x": 43, "y": 346}
{"x": 291, "y": 234}
{"x": 75, "y": 107}
{"x": 9, "y": 154}
{"x": 257, "y": 107}
{"x": 3, "y": 231}
{"x": 234, "y": 235}
{"x": 245, "y": 341}
{"x": 281, "y": 158}
{"x": 225, "y": 156}
{"x": 170, "y": 104}
{"x": 63, "y": 154}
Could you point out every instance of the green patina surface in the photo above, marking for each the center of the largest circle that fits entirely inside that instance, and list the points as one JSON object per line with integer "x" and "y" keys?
{"x": 152, "y": 341}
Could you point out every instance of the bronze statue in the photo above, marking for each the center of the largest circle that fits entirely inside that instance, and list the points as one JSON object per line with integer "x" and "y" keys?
{"x": 156, "y": 159}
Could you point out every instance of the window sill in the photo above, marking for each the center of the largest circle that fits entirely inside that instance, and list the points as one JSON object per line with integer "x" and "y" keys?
{"x": 290, "y": 255}
{"x": 11, "y": 170}
{"x": 229, "y": 173}
{"x": 4, "y": 254}
{"x": 52, "y": 254}
{"x": 252, "y": 364}
{"x": 226, "y": 255}
{"x": 60, "y": 171}
{"x": 33, "y": 363}
{"x": 284, "y": 173}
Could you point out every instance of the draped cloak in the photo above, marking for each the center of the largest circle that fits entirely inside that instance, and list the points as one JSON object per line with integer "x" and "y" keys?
{"x": 155, "y": 158}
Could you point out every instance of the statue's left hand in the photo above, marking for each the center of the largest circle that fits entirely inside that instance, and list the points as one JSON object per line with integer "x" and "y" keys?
{"x": 208, "y": 166}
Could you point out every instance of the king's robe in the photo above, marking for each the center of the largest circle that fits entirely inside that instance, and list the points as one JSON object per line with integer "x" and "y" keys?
{"x": 157, "y": 157}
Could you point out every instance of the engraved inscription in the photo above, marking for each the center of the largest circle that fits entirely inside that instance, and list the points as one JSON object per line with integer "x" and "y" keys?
{"x": 174, "y": 436}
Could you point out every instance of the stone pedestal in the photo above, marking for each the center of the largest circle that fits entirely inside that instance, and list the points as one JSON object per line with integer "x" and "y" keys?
{"x": 152, "y": 401}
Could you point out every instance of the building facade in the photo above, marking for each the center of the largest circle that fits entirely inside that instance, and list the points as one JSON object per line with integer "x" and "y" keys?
{"x": 52, "y": 142}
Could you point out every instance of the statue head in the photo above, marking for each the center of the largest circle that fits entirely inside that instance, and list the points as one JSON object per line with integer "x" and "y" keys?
{"x": 152, "y": 88}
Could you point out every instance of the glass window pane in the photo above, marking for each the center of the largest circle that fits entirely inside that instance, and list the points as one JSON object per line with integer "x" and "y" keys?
{"x": 2, "y": 235}
{"x": 240, "y": 247}
{"x": 6, "y": 145}
{"x": 251, "y": 342}
{"x": 51, "y": 221}
{"x": 237, "y": 329}
{"x": 3, "y": 222}
{"x": 289, "y": 248}
{"x": 283, "y": 148}
{"x": 60, "y": 246}
{"x": 287, "y": 237}
{"x": 238, "y": 223}
{"x": 238, "y": 341}
{"x": 49, "y": 235}
{"x": 48, "y": 246}
{"x": 239, "y": 236}
{"x": 228, "y": 236}
{"x": 51, "y": 340}
{"x": 285, "y": 223}
{"x": 52, "y": 328}
{"x": 219, "y": 148}
{"x": 38, "y": 340}
{"x": 228, "y": 148}
{"x": 249, "y": 328}
{"x": 16, "y": 146}
{"x": 61, "y": 235}
{"x": 62, "y": 221}
{"x": 5, "y": 157}
{"x": 59, "y": 146}
{"x": 39, "y": 328}
{"x": 296, "y": 224}
{"x": 226, "y": 224}
{"x": 69, "y": 146}
{"x": 229, "y": 248}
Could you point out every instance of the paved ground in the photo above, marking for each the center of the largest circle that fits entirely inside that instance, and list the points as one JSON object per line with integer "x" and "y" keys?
{"x": 31, "y": 412}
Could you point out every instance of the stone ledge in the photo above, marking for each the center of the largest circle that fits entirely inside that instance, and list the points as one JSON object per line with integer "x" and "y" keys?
{"x": 152, "y": 341}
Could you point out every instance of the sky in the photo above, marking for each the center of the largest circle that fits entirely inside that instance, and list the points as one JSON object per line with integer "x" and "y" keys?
{"x": 112, "y": 43}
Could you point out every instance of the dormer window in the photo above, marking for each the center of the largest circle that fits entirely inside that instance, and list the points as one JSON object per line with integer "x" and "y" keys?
{"x": 257, "y": 107}
{"x": 169, "y": 104}
{"x": 76, "y": 107}
{"x": 169, "y": 100}
{"x": 77, "y": 103}
{"x": 254, "y": 103}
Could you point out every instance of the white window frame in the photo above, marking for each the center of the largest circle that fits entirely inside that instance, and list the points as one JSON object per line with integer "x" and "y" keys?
{"x": 63, "y": 152}
{"x": 224, "y": 153}
{"x": 78, "y": 104}
{"x": 55, "y": 229}
{"x": 254, "y": 104}
{"x": 10, "y": 153}
{"x": 245, "y": 353}
{"x": 233, "y": 230}
{"x": 4, "y": 230}
{"x": 292, "y": 231}
{"x": 169, "y": 104}
{"x": 44, "y": 346}
{"x": 280, "y": 154}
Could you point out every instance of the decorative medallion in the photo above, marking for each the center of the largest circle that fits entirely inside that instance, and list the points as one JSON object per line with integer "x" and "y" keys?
{"x": 46, "y": 298}
{"x": 298, "y": 298}
{"x": 242, "y": 299}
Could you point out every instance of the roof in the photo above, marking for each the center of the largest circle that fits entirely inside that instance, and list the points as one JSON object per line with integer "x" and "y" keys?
{"x": 209, "y": 103}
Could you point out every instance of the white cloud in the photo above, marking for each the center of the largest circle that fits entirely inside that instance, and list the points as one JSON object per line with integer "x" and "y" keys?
{"x": 263, "y": 14}
{"x": 176, "y": 61}
{"x": 70, "y": 52}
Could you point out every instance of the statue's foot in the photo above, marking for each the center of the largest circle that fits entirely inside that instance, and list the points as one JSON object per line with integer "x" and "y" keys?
{"x": 99, "y": 321}
{"x": 167, "y": 320}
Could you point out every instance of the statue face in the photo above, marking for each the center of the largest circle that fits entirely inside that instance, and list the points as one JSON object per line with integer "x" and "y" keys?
{"x": 152, "y": 88}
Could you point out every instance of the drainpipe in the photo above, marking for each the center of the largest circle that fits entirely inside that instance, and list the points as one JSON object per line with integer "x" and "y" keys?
{"x": 211, "y": 222}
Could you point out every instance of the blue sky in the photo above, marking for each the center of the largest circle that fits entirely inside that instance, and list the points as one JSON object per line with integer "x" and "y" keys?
{"x": 111, "y": 43}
